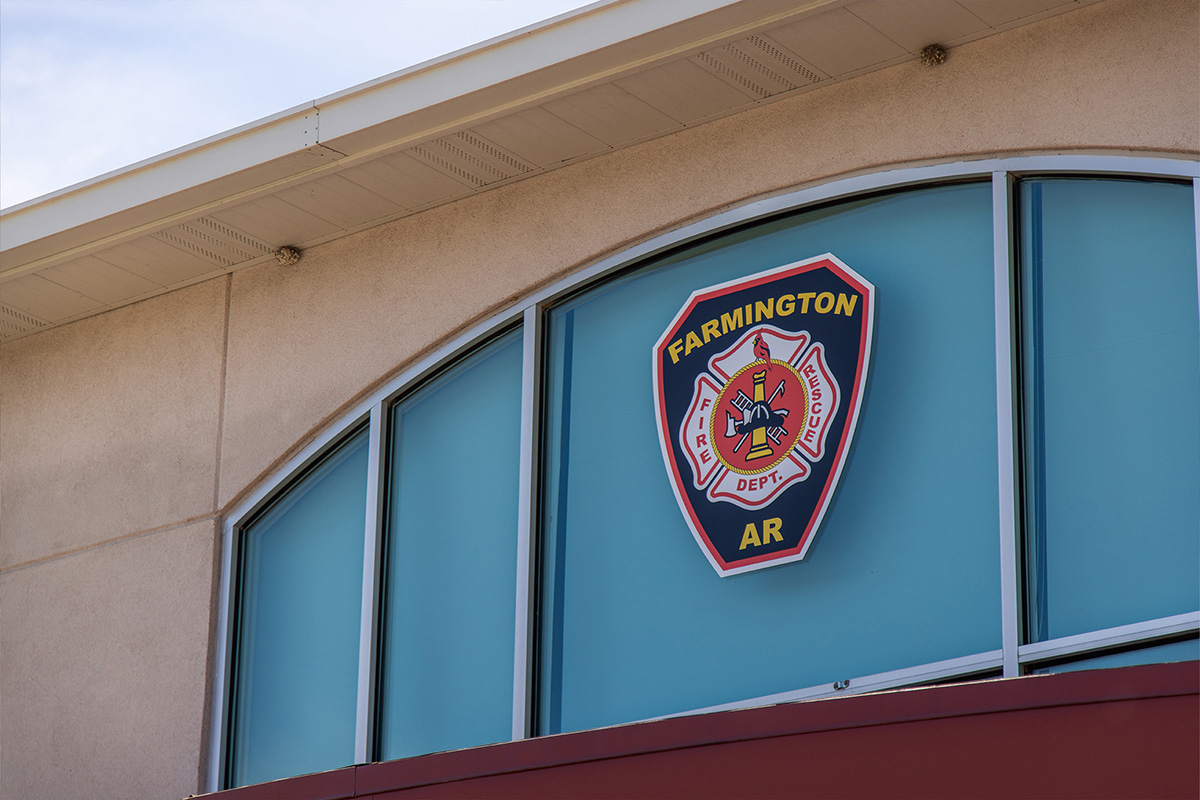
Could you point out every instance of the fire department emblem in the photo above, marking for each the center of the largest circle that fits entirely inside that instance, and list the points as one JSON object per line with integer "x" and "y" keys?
{"x": 758, "y": 384}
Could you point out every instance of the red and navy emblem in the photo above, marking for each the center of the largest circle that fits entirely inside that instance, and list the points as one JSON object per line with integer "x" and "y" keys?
{"x": 758, "y": 384}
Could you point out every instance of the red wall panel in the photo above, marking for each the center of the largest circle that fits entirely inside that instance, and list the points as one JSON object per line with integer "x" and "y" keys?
{"x": 1131, "y": 732}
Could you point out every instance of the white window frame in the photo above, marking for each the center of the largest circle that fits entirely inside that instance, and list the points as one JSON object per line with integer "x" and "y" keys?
{"x": 1009, "y": 661}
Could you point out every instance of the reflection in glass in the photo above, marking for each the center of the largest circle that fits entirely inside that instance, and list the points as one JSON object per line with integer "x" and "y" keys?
{"x": 448, "y": 624}
{"x": 296, "y": 673}
{"x": 1112, "y": 392}
{"x": 636, "y": 623}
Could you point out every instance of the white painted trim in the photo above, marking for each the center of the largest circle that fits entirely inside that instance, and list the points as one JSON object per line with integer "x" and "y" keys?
{"x": 1196, "y": 206}
{"x": 1093, "y": 641}
{"x": 1006, "y": 439}
{"x": 912, "y": 676}
{"x": 224, "y": 654}
{"x": 527, "y": 523}
{"x": 367, "y": 652}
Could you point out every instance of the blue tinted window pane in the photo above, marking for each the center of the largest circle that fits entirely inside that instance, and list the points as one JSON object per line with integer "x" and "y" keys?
{"x": 296, "y": 683}
{"x": 1113, "y": 387}
{"x": 452, "y": 557}
{"x": 636, "y": 623}
{"x": 1188, "y": 650}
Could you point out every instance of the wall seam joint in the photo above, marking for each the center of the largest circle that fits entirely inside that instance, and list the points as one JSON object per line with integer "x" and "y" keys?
{"x": 221, "y": 399}
{"x": 106, "y": 543}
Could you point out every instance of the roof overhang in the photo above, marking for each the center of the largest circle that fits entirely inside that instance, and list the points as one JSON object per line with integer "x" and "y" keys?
{"x": 573, "y": 87}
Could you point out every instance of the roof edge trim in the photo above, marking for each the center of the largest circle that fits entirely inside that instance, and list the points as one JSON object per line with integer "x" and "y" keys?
{"x": 243, "y": 153}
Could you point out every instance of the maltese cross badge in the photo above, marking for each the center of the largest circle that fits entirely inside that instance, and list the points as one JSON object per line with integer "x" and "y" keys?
{"x": 758, "y": 384}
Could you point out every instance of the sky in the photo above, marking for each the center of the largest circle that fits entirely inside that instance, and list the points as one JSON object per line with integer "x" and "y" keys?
{"x": 89, "y": 86}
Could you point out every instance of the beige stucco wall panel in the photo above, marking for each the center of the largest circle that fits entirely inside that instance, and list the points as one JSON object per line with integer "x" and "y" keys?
{"x": 109, "y": 426}
{"x": 305, "y": 341}
{"x": 102, "y": 669}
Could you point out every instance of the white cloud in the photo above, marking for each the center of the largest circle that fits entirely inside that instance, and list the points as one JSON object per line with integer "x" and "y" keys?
{"x": 89, "y": 87}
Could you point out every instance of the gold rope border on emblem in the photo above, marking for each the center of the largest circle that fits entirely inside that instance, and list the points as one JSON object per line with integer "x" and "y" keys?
{"x": 712, "y": 419}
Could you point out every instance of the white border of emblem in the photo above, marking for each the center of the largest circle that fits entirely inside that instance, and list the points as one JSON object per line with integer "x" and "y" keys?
{"x": 675, "y": 474}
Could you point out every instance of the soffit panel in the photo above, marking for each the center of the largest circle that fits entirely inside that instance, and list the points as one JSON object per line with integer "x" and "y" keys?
{"x": 100, "y": 280}
{"x": 44, "y": 299}
{"x": 471, "y": 158}
{"x": 540, "y": 137}
{"x": 916, "y": 23}
{"x": 758, "y": 67}
{"x": 1004, "y": 12}
{"x": 214, "y": 242}
{"x": 275, "y": 221}
{"x": 158, "y": 261}
{"x": 765, "y": 54}
{"x": 15, "y": 323}
{"x": 838, "y": 43}
{"x": 611, "y": 114}
{"x": 339, "y": 201}
{"x": 406, "y": 181}
{"x": 686, "y": 91}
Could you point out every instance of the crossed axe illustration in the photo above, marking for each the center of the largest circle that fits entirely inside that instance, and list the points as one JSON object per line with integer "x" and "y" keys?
{"x": 756, "y": 414}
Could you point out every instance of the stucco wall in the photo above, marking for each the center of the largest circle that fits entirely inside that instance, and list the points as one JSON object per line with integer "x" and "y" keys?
{"x": 124, "y": 437}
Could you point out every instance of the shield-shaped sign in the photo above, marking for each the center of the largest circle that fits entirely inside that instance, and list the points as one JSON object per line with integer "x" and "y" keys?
{"x": 758, "y": 384}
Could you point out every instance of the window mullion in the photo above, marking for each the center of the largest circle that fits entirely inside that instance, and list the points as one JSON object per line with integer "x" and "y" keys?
{"x": 1006, "y": 449}
{"x": 367, "y": 651}
{"x": 526, "y": 522}
{"x": 224, "y": 644}
{"x": 1196, "y": 208}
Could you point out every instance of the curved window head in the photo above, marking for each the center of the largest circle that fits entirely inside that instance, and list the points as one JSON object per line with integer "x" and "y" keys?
{"x": 489, "y": 547}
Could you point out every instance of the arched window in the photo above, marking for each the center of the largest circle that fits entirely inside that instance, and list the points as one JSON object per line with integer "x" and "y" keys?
{"x": 488, "y": 548}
